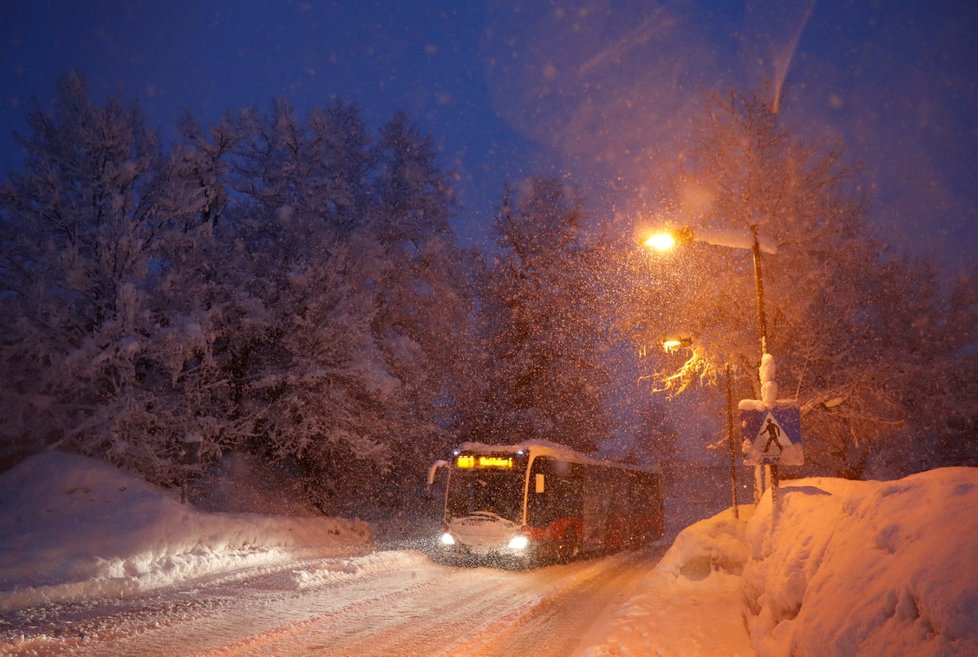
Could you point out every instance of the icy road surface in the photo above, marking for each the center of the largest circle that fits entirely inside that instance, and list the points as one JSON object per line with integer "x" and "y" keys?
{"x": 395, "y": 603}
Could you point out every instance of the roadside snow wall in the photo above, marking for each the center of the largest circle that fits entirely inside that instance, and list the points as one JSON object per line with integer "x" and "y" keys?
{"x": 73, "y": 528}
{"x": 873, "y": 569}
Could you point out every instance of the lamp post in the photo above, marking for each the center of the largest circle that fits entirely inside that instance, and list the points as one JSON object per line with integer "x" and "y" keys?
{"x": 667, "y": 240}
{"x": 759, "y": 288}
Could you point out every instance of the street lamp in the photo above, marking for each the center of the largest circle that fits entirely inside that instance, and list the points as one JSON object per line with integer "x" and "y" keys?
{"x": 738, "y": 239}
{"x": 666, "y": 240}
{"x": 671, "y": 345}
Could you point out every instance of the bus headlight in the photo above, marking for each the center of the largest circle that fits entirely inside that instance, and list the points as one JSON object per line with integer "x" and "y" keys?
{"x": 519, "y": 542}
{"x": 447, "y": 539}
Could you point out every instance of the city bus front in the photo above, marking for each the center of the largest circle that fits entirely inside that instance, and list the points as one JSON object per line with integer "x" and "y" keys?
{"x": 484, "y": 506}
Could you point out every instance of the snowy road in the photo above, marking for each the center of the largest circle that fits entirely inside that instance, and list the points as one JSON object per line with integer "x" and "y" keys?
{"x": 396, "y": 603}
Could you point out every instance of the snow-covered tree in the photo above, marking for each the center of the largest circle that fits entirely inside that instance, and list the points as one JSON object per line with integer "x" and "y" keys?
{"x": 349, "y": 289}
{"x": 304, "y": 368}
{"x": 922, "y": 324}
{"x": 544, "y": 339}
{"x": 238, "y": 292}
{"x": 425, "y": 292}
{"x": 830, "y": 325}
{"x": 87, "y": 224}
{"x": 308, "y": 168}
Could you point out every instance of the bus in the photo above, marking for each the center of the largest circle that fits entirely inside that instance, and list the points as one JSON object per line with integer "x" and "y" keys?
{"x": 539, "y": 501}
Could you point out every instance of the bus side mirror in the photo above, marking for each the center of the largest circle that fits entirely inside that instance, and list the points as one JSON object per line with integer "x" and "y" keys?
{"x": 539, "y": 484}
{"x": 433, "y": 470}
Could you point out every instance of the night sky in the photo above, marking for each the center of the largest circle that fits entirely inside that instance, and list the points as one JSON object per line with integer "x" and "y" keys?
{"x": 598, "y": 92}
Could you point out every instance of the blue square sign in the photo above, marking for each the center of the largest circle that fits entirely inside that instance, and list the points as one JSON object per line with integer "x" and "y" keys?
{"x": 774, "y": 436}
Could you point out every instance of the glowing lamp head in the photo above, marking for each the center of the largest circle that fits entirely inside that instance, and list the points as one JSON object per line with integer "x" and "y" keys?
{"x": 447, "y": 539}
{"x": 670, "y": 346}
{"x": 673, "y": 344}
{"x": 518, "y": 542}
{"x": 661, "y": 241}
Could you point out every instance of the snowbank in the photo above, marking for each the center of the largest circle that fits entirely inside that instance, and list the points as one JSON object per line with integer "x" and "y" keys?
{"x": 715, "y": 544}
{"x": 866, "y": 568}
{"x": 74, "y": 528}
{"x": 847, "y": 569}
{"x": 689, "y": 604}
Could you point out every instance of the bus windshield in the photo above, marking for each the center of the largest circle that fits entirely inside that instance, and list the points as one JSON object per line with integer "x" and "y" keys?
{"x": 495, "y": 491}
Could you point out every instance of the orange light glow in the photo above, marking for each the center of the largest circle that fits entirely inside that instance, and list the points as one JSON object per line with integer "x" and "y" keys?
{"x": 670, "y": 346}
{"x": 661, "y": 241}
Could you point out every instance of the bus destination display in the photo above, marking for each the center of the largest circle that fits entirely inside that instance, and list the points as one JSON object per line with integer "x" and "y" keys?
{"x": 470, "y": 461}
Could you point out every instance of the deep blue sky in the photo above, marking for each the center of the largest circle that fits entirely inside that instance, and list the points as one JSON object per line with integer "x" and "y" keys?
{"x": 600, "y": 90}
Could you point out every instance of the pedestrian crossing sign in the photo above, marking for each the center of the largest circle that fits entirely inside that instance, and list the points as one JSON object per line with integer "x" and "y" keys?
{"x": 772, "y": 437}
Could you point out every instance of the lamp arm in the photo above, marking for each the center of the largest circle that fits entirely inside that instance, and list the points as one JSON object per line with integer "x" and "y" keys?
{"x": 735, "y": 239}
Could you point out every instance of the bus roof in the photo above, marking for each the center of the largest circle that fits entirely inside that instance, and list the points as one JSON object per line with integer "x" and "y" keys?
{"x": 539, "y": 447}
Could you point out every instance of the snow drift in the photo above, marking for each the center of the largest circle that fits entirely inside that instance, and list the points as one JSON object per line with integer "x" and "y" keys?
{"x": 866, "y": 568}
{"x": 74, "y": 528}
{"x": 689, "y": 604}
{"x": 840, "y": 569}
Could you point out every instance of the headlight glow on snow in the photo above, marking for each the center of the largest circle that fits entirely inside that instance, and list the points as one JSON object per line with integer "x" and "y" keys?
{"x": 447, "y": 539}
{"x": 518, "y": 543}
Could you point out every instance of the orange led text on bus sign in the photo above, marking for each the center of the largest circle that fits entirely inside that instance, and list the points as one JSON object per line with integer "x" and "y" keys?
{"x": 468, "y": 461}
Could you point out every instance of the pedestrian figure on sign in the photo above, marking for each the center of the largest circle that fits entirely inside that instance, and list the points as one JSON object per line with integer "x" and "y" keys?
{"x": 773, "y": 431}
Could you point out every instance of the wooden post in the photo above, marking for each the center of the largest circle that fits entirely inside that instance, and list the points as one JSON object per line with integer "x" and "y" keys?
{"x": 730, "y": 441}
{"x": 772, "y": 474}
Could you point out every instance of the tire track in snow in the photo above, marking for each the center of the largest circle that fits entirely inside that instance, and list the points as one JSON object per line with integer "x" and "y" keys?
{"x": 388, "y": 624}
{"x": 206, "y": 611}
{"x": 555, "y": 625}
{"x": 388, "y": 604}
{"x": 465, "y": 611}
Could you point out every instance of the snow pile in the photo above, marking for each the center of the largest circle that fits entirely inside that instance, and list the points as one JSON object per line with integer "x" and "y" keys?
{"x": 866, "y": 568}
{"x": 343, "y": 569}
{"x": 847, "y": 568}
{"x": 688, "y": 605}
{"x": 715, "y": 544}
{"x": 74, "y": 528}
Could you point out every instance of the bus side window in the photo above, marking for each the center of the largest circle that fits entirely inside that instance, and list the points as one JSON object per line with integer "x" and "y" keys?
{"x": 571, "y": 492}
{"x": 556, "y": 491}
{"x": 638, "y": 492}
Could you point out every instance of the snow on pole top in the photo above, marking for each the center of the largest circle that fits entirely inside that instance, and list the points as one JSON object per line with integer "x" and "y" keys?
{"x": 769, "y": 388}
